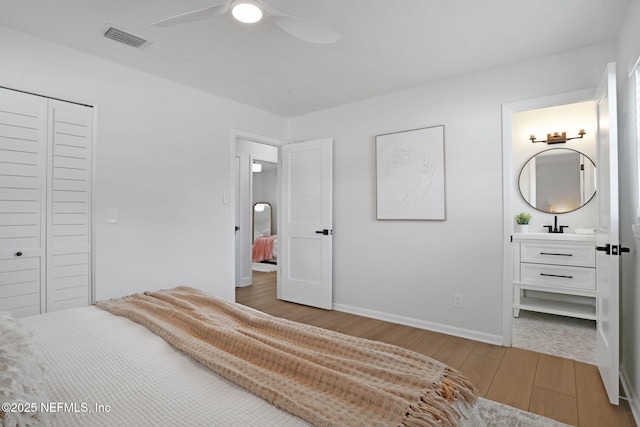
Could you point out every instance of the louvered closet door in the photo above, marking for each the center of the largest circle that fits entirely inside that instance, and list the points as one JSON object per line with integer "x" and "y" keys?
{"x": 22, "y": 207}
{"x": 69, "y": 205}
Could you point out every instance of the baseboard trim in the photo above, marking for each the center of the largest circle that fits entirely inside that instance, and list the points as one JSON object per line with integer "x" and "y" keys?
{"x": 634, "y": 403}
{"x": 244, "y": 281}
{"x": 421, "y": 324}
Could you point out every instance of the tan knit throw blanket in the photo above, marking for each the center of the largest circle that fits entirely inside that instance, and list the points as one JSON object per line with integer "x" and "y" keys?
{"x": 324, "y": 377}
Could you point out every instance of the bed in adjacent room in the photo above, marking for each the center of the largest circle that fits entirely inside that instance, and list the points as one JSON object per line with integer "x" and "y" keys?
{"x": 265, "y": 248}
{"x": 181, "y": 357}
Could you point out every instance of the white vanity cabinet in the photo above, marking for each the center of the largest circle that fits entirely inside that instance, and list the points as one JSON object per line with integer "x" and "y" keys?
{"x": 554, "y": 273}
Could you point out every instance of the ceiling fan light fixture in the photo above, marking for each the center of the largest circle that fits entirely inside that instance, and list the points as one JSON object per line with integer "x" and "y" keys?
{"x": 246, "y": 11}
{"x": 252, "y": 11}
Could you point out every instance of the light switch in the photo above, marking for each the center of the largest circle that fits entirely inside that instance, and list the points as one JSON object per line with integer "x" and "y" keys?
{"x": 112, "y": 216}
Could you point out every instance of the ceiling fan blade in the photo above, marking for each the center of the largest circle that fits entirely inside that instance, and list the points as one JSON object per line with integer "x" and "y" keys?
{"x": 219, "y": 8}
{"x": 302, "y": 28}
{"x": 305, "y": 29}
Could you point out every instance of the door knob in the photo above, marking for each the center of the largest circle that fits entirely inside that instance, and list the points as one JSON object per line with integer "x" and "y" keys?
{"x": 18, "y": 253}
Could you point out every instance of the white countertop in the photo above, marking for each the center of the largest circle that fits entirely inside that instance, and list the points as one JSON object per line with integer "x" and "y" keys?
{"x": 555, "y": 236}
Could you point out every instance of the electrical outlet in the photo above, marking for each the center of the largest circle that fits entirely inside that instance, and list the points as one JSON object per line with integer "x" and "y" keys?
{"x": 457, "y": 300}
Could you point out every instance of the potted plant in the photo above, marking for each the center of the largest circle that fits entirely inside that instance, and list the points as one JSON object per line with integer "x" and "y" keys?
{"x": 522, "y": 222}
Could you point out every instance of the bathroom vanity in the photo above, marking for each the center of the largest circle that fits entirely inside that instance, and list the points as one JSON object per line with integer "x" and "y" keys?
{"x": 554, "y": 273}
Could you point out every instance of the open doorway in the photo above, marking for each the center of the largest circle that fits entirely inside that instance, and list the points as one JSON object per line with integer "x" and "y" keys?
{"x": 256, "y": 190}
{"x": 554, "y": 299}
{"x": 304, "y": 182}
{"x": 548, "y": 309}
{"x": 264, "y": 223}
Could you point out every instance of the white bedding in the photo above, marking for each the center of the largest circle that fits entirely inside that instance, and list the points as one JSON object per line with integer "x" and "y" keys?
{"x": 95, "y": 358}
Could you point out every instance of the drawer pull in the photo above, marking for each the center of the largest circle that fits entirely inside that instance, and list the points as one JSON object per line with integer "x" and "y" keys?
{"x": 556, "y": 275}
{"x": 551, "y": 253}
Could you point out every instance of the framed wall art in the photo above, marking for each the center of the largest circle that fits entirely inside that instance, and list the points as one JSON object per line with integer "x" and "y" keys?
{"x": 410, "y": 174}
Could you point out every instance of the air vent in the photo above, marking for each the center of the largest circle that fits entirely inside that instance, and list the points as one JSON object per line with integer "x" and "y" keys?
{"x": 126, "y": 38}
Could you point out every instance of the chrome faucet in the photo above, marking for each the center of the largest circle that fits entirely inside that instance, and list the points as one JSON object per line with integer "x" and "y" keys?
{"x": 554, "y": 228}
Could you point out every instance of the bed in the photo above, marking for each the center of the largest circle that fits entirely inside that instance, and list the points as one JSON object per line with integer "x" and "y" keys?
{"x": 104, "y": 369}
{"x": 265, "y": 248}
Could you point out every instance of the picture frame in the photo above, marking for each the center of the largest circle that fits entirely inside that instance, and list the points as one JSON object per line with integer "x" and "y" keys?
{"x": 410, "y": 175}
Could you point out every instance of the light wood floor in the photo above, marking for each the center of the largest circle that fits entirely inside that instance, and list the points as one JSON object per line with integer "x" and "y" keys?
{"x": 562, "y": 389}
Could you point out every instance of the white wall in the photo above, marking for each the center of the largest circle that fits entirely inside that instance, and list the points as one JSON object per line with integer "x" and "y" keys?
{"x": 409, "y": 270}
{"x": 163, "y": 155}
{"x": 628, "y": 52}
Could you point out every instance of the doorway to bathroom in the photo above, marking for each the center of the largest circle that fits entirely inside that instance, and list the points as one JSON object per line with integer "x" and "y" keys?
{"x": 546, "y": 270}
{"x": 553, "y": 157}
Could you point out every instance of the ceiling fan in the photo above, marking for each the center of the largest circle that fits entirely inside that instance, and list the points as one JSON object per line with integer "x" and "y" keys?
{"x": 251, "y": 11}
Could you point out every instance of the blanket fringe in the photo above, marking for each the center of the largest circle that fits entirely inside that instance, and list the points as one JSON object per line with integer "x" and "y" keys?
{"x": 431, "y": 411}
{"x": 455, "y": 385}
{"x": 434, "y": 407}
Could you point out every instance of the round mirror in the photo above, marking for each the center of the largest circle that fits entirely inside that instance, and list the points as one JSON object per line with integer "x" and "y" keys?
{"x": 558, "y": 180}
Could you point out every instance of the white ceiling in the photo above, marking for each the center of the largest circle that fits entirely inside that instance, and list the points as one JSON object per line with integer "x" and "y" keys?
{"x": 385, "y": 45}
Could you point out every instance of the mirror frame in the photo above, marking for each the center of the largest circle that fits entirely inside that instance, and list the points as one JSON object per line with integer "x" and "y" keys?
{"x": 544, "y": 151}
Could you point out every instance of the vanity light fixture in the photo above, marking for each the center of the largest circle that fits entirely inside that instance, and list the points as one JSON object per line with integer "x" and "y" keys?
{"x": 256, "y": 167}
{"x": 246, "y": 11}
{"x": 558, "y": 138}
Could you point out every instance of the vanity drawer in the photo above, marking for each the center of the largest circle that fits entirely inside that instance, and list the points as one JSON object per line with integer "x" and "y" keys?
{"x": 558, "y": 276}
{"x": 558, "y": 254}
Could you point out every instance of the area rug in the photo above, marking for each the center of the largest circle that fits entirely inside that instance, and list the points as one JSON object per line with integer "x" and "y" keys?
{"x": 265, "y": 268}
{"x": 497, "y": 414}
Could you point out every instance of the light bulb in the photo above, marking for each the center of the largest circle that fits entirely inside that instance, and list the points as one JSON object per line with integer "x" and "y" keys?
{"x": 246, "y": 11}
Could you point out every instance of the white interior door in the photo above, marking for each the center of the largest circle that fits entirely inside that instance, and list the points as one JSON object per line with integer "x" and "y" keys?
{"x": 23, "y": 181}
{"x": 306, "y": 233}
{"x": 607, "y": 238}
